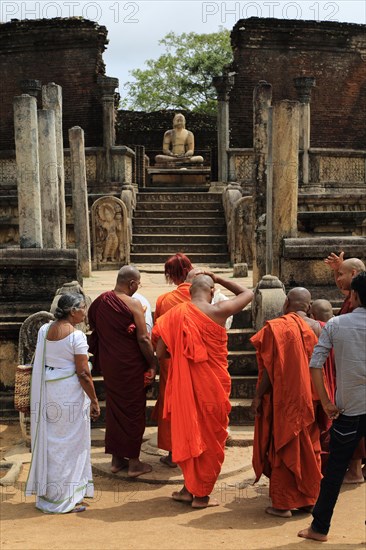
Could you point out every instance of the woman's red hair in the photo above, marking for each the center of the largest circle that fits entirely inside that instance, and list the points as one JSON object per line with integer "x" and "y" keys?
{"x": 176, "y": 268}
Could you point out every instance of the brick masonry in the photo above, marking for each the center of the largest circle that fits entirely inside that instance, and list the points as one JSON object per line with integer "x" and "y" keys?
{"x": 65, "y": 51}
{"x": 278, "y": 51}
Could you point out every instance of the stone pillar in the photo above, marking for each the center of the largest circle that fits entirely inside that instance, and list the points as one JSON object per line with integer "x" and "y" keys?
{"x": 48, "y": 176}
{"x": 26, "y": 151}
{"x": 80, "y": 199}
{"x": 262, "y": 98}
{"x": 52, "y": 99}
{"x": 223, "y": 85}
{"x": 268, "y": 300}
{"x": 107, "y": 86}
{"x": 286, "y": 115}
{"x": 303, "y": 85}
{"x": 140, "y": 166}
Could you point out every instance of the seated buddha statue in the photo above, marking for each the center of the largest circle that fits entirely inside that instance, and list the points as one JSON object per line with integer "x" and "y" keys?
{"x": 178, "y": 144}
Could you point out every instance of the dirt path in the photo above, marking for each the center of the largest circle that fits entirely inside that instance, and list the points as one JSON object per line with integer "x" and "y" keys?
{"x": 133, "y": 515}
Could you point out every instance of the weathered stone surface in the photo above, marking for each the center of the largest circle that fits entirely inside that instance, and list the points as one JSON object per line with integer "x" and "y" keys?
{"x": 240, "y": 270}
{"x": 110, "y": 233}
{"x": 269, "y": 297}
{"x": 285, "y": 145}
{"x": 48, "y": 173}
{"x": 26, "y": 146}
{"x": 52, "y": 99}
{"x": 29, "y": 277}
{"x": 80, "y": 199}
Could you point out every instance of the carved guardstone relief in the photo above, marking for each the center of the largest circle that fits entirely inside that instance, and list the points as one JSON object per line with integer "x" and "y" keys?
{"x": 111, "y": 247}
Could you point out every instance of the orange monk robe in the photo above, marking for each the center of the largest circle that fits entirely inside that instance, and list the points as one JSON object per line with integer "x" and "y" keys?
{"x": 197, "y": 394}
{"x": 163, "y": 304}
{"x": 286, "y": 439}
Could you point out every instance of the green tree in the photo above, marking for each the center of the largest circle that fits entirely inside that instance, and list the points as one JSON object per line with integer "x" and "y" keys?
{"x": 181, "y": 78}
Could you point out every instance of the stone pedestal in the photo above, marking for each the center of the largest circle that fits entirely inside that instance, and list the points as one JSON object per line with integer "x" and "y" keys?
{"x": 285, "y": 175}
{"x": 269, "y": 297}
{"x": 80, "y": 199}
{"x": 26, "y": 148}
{"x": 52, "y": 99}
{"x": 51, "y": 234}
{"x": 178, "y": 177}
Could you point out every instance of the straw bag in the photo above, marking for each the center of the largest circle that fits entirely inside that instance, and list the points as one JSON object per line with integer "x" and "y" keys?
{"x": 23, "y": 375}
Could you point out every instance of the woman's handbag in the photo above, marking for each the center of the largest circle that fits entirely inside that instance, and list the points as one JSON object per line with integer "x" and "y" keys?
{"x": 23, "y": 375}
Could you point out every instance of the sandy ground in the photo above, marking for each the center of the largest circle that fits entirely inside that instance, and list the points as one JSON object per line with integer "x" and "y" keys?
{"x": 135, "y": 515}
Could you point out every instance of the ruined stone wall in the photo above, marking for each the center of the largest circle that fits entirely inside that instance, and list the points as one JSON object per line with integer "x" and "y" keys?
{"x": 65, "y": 51}
{"x": 278, "y": 51}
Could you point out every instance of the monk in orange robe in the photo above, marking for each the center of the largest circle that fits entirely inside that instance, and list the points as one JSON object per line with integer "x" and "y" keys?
{"x": 197, "y": 391}
{"x": 286, "y": 437}
{"x": 164, "y": 303}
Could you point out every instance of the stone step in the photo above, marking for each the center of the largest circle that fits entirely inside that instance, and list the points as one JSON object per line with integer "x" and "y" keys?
{"x": 242, "y": 387}
{"x": 158, "y": 213}
{"x": 243, "y": 319}
{"x": 197, "y": 189}
{"x": 208, "y": 221}
{"x": 242, "y": 363}
{"x": 238, "y": 339}
{"x": 201, "y": 258}
{"x": 193, "y": 239}
{"x": 184, "y": 197}
{"x": 146, "y": 228}
{"x": 240, "y": 415}
{"x": 176, "y": 206}
{"x": 159, "y": 248}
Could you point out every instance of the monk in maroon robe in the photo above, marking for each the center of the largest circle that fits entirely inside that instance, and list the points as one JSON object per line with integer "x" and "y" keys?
{"x": 125, "y": 356}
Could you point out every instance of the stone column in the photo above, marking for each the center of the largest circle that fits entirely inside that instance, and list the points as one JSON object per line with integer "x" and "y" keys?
{"x": 26, "y": 151}
{"x": 52, "y": 99}
{"x": 80, "y": 199}
{"x": 223, "y": 85}
{"x": 303, "y": 85}
{"x": 140, "y": 166}
{"x": 286, "y": 116}
{"x": 262, "y": 98}
{"x": 51, "y": 233}
{"x": 107, "y": 86}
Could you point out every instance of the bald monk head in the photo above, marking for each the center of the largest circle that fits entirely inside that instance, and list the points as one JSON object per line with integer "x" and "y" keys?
{"x": 193, "y": 273}
{"x": 128, "y": 280}
{"x": 321, "y": 310}
{"x": 298, "y": 299}
{"x": 202, "y": 288}
{"x": 347, "y": 270}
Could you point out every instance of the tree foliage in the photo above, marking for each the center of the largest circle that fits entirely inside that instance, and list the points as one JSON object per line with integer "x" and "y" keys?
{"x": 181, "y": 78}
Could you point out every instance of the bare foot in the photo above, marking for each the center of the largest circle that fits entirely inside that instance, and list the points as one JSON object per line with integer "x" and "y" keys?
{"x": 313, "y": 535}
{"x": 118, "y": 464}
{"x": 167, "y": 460}
{"x": 138, "y": 468}
{"x": 354, "y": 472}
{"x": 204, "y": 502}
{"x": 277, "y": 512}
{"x": 183, "y": 495}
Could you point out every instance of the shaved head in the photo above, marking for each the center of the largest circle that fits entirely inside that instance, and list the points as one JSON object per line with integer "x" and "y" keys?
{"x": 321, "y": 310}
{"x": 193, "y": 273}
{"x": 353, "y": 264}
{"x": 298, "y": 299}
{"x": 201, "y": 284}
{"x": 127, "y": 273}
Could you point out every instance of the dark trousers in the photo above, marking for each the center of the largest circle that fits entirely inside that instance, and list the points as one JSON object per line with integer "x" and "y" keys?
{"x": 345, "y": 434}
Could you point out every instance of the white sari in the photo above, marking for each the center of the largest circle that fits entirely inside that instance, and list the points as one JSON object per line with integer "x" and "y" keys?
{"x": 60, "y": 473}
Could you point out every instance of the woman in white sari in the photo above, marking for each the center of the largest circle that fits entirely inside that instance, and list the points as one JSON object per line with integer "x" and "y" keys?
{"x": 62, "y": 401}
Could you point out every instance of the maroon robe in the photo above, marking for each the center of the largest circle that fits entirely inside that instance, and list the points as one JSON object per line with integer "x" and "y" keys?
{"x": 123, "y": 365}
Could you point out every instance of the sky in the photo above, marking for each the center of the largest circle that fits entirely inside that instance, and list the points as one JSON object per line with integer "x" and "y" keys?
{"x": 135, "y": 27}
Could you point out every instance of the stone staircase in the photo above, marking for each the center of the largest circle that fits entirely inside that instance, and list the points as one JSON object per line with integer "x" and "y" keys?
{"x": 242, "y": 368}
{"x": 170, "y": 221}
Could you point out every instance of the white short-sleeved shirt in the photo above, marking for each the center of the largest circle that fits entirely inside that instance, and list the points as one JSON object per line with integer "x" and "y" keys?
{"x": 60, "y": 354}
